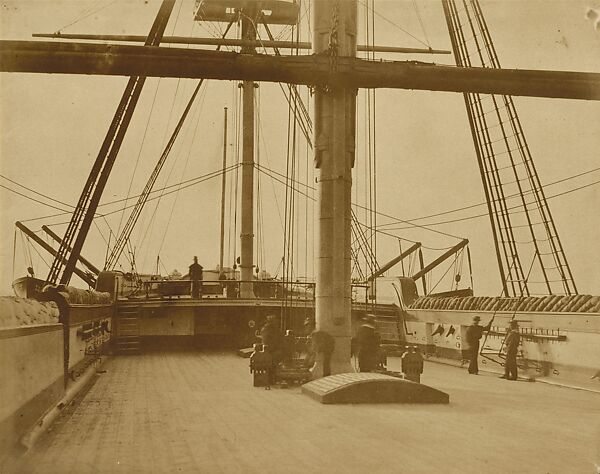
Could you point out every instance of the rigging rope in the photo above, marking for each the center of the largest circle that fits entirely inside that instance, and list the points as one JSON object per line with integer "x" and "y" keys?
{"x": 569, "y": 191}
{"x": 382, "y": 232}
{"x": 304, "y": 120}
{"x": 196, "y": 181}
{"x": 26, "y": 250}
{"x": 421, "y": 23}
{"x": 38, "y": 193}
{"x": 14, "y": 253}
{"x": 83, "y": 15}
{"x": 66, "y": 257}
{"x": 259, "y": 255}
{"x": 237, "y": 174}
{"x": 35, "y": 200}
{"x": 232, "y": 193}
{"x": 125, "y": 235}
{"x": 134, "y": 216}
{"x": 199, "y": 179}
{"x": 383, "y": 17}
{"x": 38, "y": 253}
{"x": 288, "y": 237}
{"x": 137, "y": 160}
{"x": 182, "y": 174}
{"x": 312, "y": 189}
{"x": 266, "y": 150}
{"x": 507, "y": 196}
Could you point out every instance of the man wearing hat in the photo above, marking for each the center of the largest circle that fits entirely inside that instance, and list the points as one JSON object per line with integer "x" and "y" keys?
{"x": 474, "y": 333}
{"x": 196, "y": 277}
{"x": 367, "y": 345}
{"x": 512, "y": 347}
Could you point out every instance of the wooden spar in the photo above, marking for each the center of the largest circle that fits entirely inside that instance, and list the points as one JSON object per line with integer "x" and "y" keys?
{"x": 82, "y": 259}
{"x": 395, "y": 261}
{"x": 235, "y": 42}
{"x": 84, "y": 276}
{"x": 422, "y": 266}
{"x": 83, "y": 214}
{"x": 314, "y": 70}
{"x": 223, "y": 180}
{"x": 440, "y": 259}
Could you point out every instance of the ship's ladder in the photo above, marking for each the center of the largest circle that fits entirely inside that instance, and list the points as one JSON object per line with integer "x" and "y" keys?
{"x": 127, "y": 340}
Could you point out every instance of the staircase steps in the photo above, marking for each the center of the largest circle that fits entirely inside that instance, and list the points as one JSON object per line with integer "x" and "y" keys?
{"x": 128, "y": 331}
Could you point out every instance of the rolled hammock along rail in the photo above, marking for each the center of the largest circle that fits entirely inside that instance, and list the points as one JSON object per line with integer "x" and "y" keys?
{"x": 551, "y": 303}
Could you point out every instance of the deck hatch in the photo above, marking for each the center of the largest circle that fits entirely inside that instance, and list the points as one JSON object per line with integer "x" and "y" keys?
{"x": 371, "y": 388}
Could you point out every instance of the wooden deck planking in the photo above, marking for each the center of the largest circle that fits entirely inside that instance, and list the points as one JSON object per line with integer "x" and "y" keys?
{"x": 198, "y": 412}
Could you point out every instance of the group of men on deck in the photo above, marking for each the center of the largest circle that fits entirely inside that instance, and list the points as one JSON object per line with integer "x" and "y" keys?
{"x": 513, "y": 338}
{"x": 366, "y": 345}
{"x": 367, "y": 342}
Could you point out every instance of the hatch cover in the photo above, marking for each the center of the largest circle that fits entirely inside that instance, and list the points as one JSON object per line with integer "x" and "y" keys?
{"x": 366, "y": 387}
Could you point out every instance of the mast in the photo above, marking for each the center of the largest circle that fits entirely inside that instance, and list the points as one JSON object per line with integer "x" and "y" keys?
{"x": 247, "y": 218}
{"x": 251, "y": 13}
{"x": 221, "y": 250}
{"x": 335, "y": 111}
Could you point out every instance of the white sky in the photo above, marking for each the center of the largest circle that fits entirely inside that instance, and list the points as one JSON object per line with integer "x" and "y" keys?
{"x": 53, "y": 125}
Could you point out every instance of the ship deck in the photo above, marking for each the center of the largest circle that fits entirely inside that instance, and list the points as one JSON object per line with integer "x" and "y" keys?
{"x": 190, "y": 411}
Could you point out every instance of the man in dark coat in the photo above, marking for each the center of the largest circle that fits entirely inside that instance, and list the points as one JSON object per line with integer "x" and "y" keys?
{"x": 367, "y": 341}
{"x": 474, "y": 333}
{"x": 512, "y": 348}
{"x": 196, "y": 277}
{"x": 272, "y": 339}
{"x": 320, "y": 346}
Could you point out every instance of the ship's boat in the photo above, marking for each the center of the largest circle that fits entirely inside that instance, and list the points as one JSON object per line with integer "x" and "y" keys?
{"x": 28, "y": 287}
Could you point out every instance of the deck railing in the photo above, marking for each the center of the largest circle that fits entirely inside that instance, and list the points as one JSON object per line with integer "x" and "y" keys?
{"x": 227, "y": 289}
{"x": 230, "y": 289}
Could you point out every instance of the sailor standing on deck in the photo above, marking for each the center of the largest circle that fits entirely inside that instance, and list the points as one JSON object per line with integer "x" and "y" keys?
{"x": 272, "y": 339}
{"x": 367, "y": 346}
{"x": 196, "y": 277}
{"x": 474, "y": 333}
{"x": 512, "y": 347}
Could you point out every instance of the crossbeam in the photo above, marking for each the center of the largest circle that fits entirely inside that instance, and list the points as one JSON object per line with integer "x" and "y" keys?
{"x": 88, "y": 278}
{"x": 395, "y": 261}
{"x": 93, "y": 268}
{"x": 234, "y": 42}
{"x": 463, "y": 243}
{"x": 313, "y": 70}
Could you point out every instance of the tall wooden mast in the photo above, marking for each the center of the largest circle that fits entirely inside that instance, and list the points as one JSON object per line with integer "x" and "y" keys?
{"x": 223, "y": 182}
{"x": 249, "y": 21}
{"x": 335, "y": 110}
{"x": 251, "y": 13}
